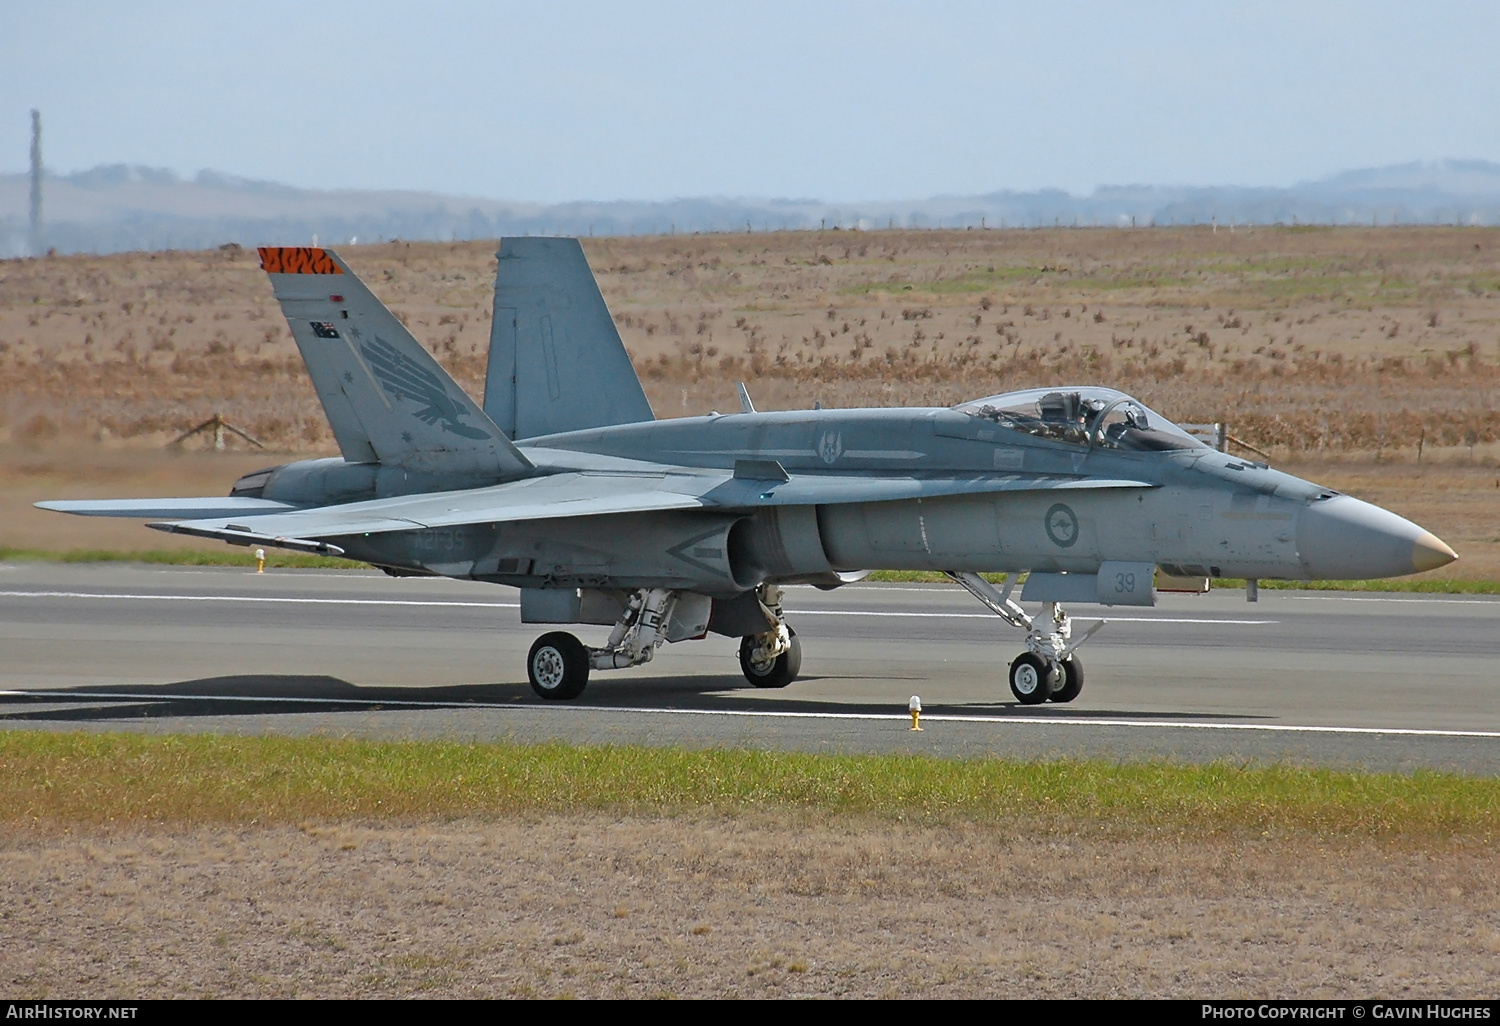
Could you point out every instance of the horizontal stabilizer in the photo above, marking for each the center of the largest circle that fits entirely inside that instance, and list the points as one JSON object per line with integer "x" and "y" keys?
{"x": 538, "y": 498}
{"x": 170, "y": 509}
{"x": 241, "y": 536}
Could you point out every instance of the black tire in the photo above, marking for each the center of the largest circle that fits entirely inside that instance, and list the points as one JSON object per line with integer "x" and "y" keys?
{"x": 558, "y": 666}
{"x": 1030, "y": 679}
{"x": 780, "y": 673}
{"x": 1072, "y": 680}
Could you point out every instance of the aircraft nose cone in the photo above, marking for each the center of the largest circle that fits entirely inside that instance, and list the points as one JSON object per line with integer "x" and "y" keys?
{"x": 1430, "y": 552}
{"x": 1343, "y": 538}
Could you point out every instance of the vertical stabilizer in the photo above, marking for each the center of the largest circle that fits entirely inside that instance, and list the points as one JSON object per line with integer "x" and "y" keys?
{"x": 387, "y": 400}
{"x": 556, "y": 359}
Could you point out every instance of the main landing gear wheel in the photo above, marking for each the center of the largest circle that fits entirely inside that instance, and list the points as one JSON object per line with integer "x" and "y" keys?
{"x": 1030, "y": 679}
{"x": 779, "y": 672}
{"x": 1072, "y": 680}
{"x": 558, "y": 666}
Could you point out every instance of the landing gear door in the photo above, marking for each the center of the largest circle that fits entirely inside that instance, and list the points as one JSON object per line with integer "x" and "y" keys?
{"x": 1127, "y": 584}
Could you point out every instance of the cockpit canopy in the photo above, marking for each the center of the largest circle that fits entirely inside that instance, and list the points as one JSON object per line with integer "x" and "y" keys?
{"x": 1091, "y": 417}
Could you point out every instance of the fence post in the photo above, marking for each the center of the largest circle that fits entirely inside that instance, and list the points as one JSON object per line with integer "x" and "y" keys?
{"x": 1215, "y": 434}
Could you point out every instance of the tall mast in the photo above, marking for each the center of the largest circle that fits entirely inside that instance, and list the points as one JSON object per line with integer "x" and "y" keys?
{"x": 36, "y": 183}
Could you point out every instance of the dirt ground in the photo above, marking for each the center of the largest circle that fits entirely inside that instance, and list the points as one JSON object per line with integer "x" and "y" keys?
{"x": 1358, "y": 339}
{"x": 604, "y": 906}
{"x": 87, "y": 469}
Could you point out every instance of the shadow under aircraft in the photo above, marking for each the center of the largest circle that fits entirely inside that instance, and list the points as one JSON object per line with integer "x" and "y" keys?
{"x": 293, "y": 695}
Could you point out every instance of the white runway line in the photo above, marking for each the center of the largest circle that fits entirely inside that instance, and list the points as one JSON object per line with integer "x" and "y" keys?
{"x": 991, "y": 616}
{"x": 449, "y": 603}
{"x": 1054, "y": 721}
{"x": 1475, "y": 600}
{"x": 133, "y": 697}
{"x": 1002, "y": 721}
{"x": 255, "y": 598}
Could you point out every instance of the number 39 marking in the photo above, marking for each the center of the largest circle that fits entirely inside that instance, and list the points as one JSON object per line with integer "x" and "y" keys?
{"x": 1124, "y": 583}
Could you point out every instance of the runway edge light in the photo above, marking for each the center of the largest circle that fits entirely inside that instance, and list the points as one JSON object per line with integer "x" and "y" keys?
{"x": 915, "y": 708}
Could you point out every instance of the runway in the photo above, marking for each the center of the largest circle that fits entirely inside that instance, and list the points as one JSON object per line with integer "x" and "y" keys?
{"x": 1380, "y": 681}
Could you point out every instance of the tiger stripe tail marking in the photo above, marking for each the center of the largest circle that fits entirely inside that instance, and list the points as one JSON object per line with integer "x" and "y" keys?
{"x": 297, "y": 260}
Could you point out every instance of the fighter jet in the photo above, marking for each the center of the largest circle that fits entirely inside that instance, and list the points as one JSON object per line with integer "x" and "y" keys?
{"x": 563, "y": 484}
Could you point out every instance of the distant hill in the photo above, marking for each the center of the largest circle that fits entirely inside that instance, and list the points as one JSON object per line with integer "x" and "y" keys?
{"x": 128, "y": 207}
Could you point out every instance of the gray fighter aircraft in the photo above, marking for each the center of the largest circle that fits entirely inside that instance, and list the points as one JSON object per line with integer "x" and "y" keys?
{"x": 564, "y": 485}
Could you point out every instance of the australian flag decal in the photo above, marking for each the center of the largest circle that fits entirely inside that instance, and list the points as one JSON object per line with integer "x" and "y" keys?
{"x": 323, "y": 329}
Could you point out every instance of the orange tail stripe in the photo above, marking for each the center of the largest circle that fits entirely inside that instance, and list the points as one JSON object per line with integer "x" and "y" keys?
{"x": 296, "y": 260}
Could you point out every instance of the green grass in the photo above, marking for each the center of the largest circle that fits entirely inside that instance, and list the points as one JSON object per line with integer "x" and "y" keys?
{"x": 970, "y": 281}
{"x": 88, "y": 778}
{"x": 1250, "y": 282}
{"x": 923, "y": 577}
{"x": 1426, "y": 585}
{"x": 178, "y": 557}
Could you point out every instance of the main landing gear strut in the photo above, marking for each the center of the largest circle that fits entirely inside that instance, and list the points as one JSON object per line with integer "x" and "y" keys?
{"x": 559, "y": 664}
{"x": 773, "y": 658}
{"x": 1048, "y": 669}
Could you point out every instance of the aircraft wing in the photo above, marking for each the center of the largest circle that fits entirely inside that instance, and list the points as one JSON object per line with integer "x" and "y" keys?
{"x": 596, "y": 493}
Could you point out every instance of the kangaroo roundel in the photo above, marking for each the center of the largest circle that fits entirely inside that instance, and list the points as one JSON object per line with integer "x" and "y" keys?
{"x": 1062, "y": 525}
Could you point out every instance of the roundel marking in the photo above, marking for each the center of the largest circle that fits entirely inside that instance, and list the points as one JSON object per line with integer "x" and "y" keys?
{"x": 1062, "y": 525}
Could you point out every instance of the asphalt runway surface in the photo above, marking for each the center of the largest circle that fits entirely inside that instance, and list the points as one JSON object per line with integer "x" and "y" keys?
{"x": 1384, "y": 682}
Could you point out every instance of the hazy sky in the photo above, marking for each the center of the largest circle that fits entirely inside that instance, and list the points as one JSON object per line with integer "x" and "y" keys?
{"x": 841, "y": 101}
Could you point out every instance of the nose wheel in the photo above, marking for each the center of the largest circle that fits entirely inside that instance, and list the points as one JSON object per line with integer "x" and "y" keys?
{"x": 1030, "y": 679}
{"x": 1072, "y": 682}
{"x": 1033, "y": 680}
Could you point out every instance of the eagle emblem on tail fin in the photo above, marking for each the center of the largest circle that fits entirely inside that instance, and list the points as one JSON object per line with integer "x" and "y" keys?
{"x": 404, "y": 378}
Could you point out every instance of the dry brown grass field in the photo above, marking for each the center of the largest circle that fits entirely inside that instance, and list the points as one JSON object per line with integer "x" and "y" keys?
{"x": 757, "y": 906}
{"x": 1368, "y": 358}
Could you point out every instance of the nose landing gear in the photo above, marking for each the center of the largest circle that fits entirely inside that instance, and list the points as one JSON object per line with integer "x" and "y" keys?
{"x": 1048, "y": 670}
